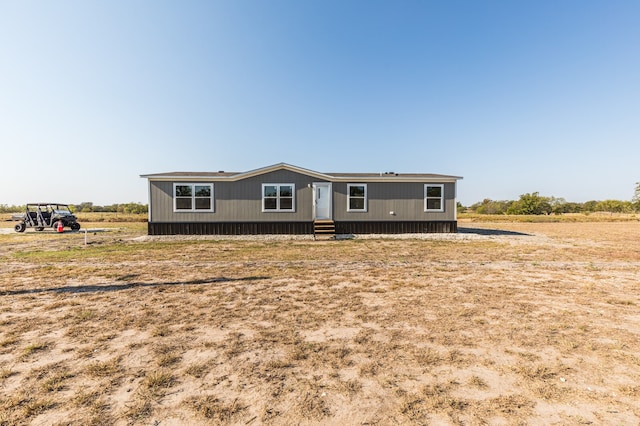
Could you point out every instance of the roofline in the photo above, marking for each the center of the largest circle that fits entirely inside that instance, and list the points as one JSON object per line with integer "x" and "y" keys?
{"x": 296, "y": 169}
{"x": 281, "y": 166}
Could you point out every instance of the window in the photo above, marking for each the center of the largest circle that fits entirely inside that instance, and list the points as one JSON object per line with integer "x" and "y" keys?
{"x": 357, "y": 197}
{"x": 434, "y": 198}
{"x": 193, "y": 197}
{"x": 277, "y": 197}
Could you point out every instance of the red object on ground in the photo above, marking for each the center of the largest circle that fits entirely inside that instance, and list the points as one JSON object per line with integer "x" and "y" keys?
{"x": 60, "y": 226}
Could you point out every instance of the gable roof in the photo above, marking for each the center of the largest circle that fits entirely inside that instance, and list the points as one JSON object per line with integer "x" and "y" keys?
{"x": 332, "y": 177}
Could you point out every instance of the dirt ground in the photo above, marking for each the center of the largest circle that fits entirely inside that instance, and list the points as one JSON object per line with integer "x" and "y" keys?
{"x": 501, "y": 324}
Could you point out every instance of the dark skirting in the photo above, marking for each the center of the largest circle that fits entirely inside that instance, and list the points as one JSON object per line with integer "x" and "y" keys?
{"x": 417, "y": 227}
{"x": 261, "y": 228}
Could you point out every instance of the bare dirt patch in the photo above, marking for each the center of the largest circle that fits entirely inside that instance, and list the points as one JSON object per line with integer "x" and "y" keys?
{"x": 517, "y": 323}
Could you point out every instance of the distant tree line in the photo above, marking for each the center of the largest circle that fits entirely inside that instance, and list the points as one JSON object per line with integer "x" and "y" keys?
{"x": 536, "y": 204}
{"x": 86, "y": 207}
{"x": 127, "y": 208}
{"x": 528, "y": 204}
{"x": 5, "y": 208}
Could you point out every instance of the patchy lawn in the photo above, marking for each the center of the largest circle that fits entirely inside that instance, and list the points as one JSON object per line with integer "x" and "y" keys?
{"x": 504, "y": 323}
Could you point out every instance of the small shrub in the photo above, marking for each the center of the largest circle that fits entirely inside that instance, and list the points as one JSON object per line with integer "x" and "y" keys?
{"x": 157, "y": 381}
{"x": 104, "y": 368}
{"x": 212, "y": 408}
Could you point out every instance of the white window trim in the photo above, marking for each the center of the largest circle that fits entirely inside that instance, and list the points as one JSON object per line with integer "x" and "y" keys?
{"x": 279, "y": 210}
{"x": 366, "y": 198}
{"x": 427, "y": 185}
{"x": 193, "y": 198}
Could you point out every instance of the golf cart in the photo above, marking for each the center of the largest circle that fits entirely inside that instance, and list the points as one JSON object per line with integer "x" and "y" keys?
{"x": 45, "y": 215}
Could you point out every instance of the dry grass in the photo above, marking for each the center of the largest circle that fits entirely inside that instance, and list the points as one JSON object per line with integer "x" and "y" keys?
{"x": 509, "y": 323}
{"x": 563, "y": 218}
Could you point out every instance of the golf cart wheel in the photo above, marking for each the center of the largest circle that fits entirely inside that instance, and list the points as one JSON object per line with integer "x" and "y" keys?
{"x": 39, "y": 228}
{"x": 20, "y": 227}
{"x": 75, "y": 226}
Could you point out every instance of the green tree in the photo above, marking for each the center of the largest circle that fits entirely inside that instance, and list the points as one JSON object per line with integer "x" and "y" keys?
{"x": 133, "y": 208}
{"x": 572, "y": 207}
{"x": 488, "y": 206}
{"x": 589, "y": 206}
{"x": 5, "y": 208}
{"x": 84, "y": 207}
{"x": 614, "y": 206}
{"x": 557, "y": 205}
{"x": 530, "y": 204}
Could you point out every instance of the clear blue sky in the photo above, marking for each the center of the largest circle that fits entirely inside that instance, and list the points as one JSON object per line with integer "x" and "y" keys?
{"x": 516, "y": 96}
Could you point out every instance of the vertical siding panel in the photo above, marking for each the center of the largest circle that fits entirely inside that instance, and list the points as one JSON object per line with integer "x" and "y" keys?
{"x": 405, "y": 199}
{"x": 238, "y": 209}
{"x": 242, "y": 201}
{"x": 239, "y": 201}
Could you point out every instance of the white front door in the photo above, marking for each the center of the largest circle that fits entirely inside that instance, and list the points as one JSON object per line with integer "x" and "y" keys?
{"x": 322, "y": 200}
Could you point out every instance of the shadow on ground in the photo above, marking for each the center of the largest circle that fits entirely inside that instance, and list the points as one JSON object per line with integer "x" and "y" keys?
{"x": 483, "y": 231}
{"x": 125, "y": 286}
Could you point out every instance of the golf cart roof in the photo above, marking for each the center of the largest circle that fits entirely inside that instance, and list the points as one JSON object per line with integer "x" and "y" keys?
{"x": 47, "y": 204}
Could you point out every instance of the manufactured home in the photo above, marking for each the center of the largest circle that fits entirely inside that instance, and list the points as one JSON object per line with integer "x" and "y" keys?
{"x": 286, "y": 199}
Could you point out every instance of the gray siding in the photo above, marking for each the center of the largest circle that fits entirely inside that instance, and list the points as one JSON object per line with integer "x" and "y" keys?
{"x": 406, "y": 200}
{"x": 239, "y": 201}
